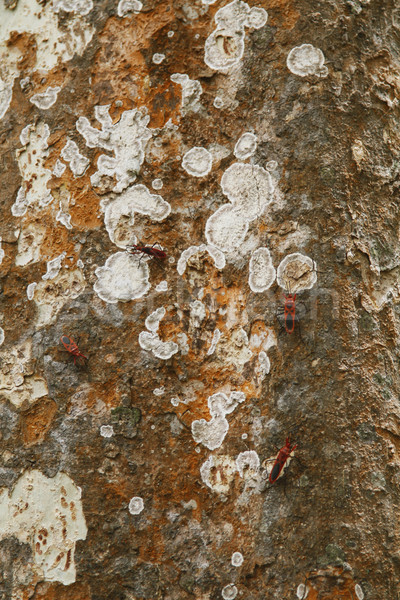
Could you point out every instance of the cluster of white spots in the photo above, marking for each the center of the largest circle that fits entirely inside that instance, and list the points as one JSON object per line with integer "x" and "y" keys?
{"x": 225, "y": 46}
{"x": 136, "y": 505}
{"x": 217, "y": 472}
{"x": 54, "y": 266}
{"x": 82, "y": 7}
{"x": 250, "y": 190}
{"x": 18, "y": 383}
{"x": 106, "y": 431}
{"x": 245, "y": 146}
{"x": 119, "y": 212}
{"x": 302, "y": 591}
{"x": 359, "y": 592}
{"x": 158, "y": 58}
{"x": 306, "y": 60}
{"x": 126, "y": 139}
{"x": 127, "y": 6}
{"x": 30, "y": 290}
{"x": 212, "y": 433}
{"x": 35, "y": 176}
{"x": 157, "y": 184}
{"x": 159, "y": 391}
{"x": 215, "y": 339}
{"x": 46, "y": 99}
{"x": 216, "y": 255}
{"x": 150, "y": 341}
{"x": 197, "y": 162}
{"x": 77, "y": 162}
{"x": 59, "y": 168}
{"x": 52, "y": 294}
{"x": 237, "y": 559}
{"x": 52, "y": 43}
{"x": 47, "y": 514}
{"x": 197, "y": 313}
{"x": 262, "y": 273}
{"x": 122, "y": 278}
{"x": 191, "y": 92}
{"x": 296, "y": 272}
{"x": 229, "y": 592}
{"x": 2, "y": 336}
{"x": 162, "y": 286}
{"x": 5, "y": 96}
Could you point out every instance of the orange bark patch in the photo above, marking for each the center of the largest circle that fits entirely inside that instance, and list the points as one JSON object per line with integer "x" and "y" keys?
{"x": 36, "y": 421}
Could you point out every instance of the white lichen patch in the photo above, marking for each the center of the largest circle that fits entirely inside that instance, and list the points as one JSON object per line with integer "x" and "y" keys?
{"x": 217, "y": 256}
{"x": 63, "y": 217}
{"x": 296, "y": 272}
{"x": 358, "y": 591}
{"x": 306, "y": 60}
{"x": 218, "y": 102}
{"x": 77, "y": 162}
{"x": 191, "y": 92}
{"x": 149, "y": 340}
{"x": 250, "y": 190}
{"x": 237, "y": 559}
{"x": 158, "y": 58}
{"x": 136, "y": 505}
{"x": 119, "y": 212}
{"x": 122, "y": 278}
{"x": 162, "y": 286}
{"x": 54, "y": 266}
{"x": 52, "y": 42}
{"x": 248, "y": 464}
{"x": 302, "y": 591}
{"x": 197, "y": 162}
{"x": 263, "y": 367}
{"x": 159, "y": 391}
{"x": 262, "y": 273}
{"x": 5, "y": 96}
{"x": 218, "y": 472}
{"x": 215, "y": 339}
{"x": 47, "y": 98}
{"x": 126, "y": 138}
{"x": 225, "y": 46}
{"x": 129, "y": 6}
{"x": 30, "y": 290}
{"x": 157, "y": 184}
{"x": 52, "y": 294}
{"x": 82, "y": 7}
{"x": 2, "y": 253}
{"x": 2, "y": 336}
{"x": 229, "y": 592}
{"x": 59, "y": 168}
{"x": 47, "y": 514}
{"x": 106, "y": 431}
{"x": 245, "y": 146}
{"x": 235, "y": 349}
{"x": 212, "y": 433}
{"x": 31, "y": 159}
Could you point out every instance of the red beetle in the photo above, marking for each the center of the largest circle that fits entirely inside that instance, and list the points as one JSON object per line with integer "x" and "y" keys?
{"x": 281, "y": 460}
{"x": 72, "y": 347}
{"x": 147, "y": 250}
{"x": 290, "y": 312}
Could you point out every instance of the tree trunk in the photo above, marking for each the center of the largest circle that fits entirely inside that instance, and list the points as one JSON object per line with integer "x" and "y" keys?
{"x": 200, "y": 288}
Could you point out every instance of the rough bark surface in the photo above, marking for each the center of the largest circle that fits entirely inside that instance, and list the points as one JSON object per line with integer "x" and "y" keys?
{"x": 258, "y": 144}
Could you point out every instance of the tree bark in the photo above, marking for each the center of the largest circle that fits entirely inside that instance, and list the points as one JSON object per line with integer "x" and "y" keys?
{"x": 200, "y": 277}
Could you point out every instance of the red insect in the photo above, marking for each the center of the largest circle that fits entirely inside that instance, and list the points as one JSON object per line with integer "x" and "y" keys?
{"x": 149, "y": 250}
{"x": 71, "y": 346}
{"x": 281, "y": 459}
{"x": 290, "y": 312}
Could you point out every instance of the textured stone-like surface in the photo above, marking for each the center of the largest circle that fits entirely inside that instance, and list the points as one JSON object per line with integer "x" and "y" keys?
{"x": 238, "y": 136}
